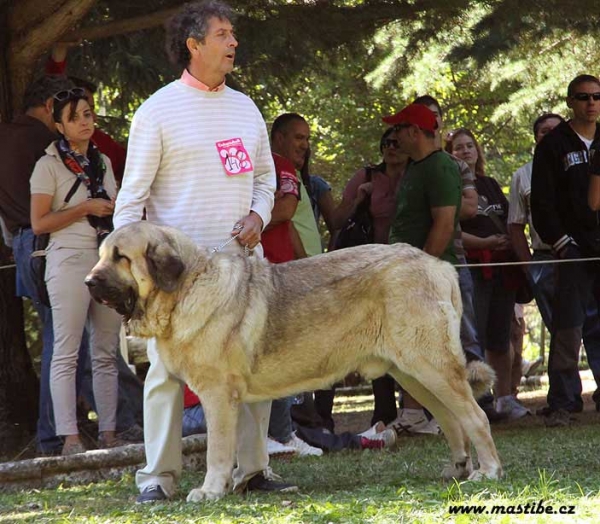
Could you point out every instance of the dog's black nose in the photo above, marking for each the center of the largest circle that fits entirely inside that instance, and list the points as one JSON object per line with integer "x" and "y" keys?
{"x": 91, "y": 281}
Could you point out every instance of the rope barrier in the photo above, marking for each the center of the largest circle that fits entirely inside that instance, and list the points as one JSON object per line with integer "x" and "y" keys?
{"x": 490, "y": 264}
{"x": 531, "y": 262}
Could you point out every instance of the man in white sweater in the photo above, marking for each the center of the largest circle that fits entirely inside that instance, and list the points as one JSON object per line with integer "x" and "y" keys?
{"x": 199, "y": 160}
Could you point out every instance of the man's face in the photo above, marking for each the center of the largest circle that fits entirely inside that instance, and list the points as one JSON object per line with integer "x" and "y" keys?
{"x": 405, "y": 135}
{"x": 585, "y": 108}
{"x": 216, "y": 54}
{"x": 293, "y": 143}
{"x": 545, "y": 127}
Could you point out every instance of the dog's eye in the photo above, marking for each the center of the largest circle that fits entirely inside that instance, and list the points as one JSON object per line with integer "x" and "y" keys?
{"x": 118, "y": 256}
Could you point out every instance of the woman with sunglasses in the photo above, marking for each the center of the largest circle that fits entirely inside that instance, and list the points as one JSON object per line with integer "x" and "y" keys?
{"x": 72, "y": 198}
{"x": 485, "y": 239}
{"x": 383, "y": 188}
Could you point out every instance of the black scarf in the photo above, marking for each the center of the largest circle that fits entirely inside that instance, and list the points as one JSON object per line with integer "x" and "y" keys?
{"x": 90, "y": 170}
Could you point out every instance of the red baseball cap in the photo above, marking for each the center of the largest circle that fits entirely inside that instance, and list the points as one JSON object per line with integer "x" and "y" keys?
{"x": 416, "y": 115}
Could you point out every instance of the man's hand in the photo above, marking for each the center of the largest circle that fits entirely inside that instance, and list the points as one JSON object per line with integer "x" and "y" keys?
{"x": 251, "y": 228}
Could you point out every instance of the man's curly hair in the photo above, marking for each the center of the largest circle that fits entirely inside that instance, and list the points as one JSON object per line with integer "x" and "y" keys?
{"x": 192, "y": 21}
{"x": 43, "y": 88}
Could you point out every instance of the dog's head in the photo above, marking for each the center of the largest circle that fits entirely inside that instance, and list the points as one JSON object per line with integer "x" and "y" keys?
{"x": 136, "y": 262}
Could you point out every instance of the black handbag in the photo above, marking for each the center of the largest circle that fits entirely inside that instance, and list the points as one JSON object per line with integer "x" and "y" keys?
{"x": 37, "y": 262}
{"x": 358, "y": 229}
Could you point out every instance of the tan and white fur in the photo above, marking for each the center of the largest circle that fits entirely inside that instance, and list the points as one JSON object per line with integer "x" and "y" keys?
{"x": 238, "y": 329}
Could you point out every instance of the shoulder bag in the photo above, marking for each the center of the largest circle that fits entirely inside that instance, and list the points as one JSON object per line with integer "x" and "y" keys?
{"x": 358, "y": 229}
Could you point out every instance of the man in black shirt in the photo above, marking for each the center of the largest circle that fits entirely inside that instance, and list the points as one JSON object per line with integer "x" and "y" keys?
{"x": 563, "y": 219}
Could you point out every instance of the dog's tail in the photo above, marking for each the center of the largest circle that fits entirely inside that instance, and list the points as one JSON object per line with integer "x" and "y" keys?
{"x": 481, "y": 377}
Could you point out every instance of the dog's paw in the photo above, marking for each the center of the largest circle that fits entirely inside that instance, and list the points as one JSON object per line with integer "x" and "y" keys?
{"x": 198, "y": 495}
{"x": 458, "y": 471}
{"x": 480, "y": 474}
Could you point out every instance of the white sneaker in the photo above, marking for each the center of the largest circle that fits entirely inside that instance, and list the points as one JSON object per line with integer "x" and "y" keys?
{"x": 511, "y": 407}
{"x": 378, "y": 427}
{"x": 302, "y": 448}
{"x": 277, "y": 449}
{"x": 414, "y": 421}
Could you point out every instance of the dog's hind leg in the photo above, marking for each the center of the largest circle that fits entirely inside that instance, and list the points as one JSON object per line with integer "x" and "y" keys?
{"x": 222, "y": 411}
{"x": 453, "y": 390}
{"x": 461, "y": 464}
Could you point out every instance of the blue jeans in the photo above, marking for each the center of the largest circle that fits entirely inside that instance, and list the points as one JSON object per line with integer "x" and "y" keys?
{"x": 542, "y": 282}
{"x": 194, "y": 420}
{"x": 47, "y": 441}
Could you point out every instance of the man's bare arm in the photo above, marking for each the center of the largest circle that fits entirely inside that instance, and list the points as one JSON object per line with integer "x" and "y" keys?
{"x": 442, "y": 230}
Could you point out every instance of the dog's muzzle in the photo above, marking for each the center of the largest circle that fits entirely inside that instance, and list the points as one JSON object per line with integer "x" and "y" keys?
{"x": 123, "y": 301}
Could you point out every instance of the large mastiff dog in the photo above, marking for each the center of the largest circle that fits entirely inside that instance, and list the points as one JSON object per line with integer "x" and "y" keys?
{"x": 238, "y": 329}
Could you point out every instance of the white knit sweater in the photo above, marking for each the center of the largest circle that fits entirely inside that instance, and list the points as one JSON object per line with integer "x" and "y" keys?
{"x": 175, "y": 171}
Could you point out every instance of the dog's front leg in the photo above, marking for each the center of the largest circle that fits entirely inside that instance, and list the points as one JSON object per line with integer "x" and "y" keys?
{"x": 221, "y": 410}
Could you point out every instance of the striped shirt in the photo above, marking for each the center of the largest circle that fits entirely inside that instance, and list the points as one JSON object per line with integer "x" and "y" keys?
{"x": 180, "y": 143}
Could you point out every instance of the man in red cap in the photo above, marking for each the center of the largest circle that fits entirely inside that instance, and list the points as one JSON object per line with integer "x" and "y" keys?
{"x": 430, "y": 196}
{"x": 427, "y": 213}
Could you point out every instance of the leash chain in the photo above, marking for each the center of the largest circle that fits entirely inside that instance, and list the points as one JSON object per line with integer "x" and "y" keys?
{"x": 238, "y": 228}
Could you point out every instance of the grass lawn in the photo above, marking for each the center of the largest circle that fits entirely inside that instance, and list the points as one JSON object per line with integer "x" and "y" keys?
{"x": 560, "y": 467}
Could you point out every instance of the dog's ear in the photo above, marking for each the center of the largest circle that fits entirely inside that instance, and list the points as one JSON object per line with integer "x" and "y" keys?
{"x": 164, "y": 265}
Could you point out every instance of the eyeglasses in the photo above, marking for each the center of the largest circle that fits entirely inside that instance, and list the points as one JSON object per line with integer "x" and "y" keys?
{"x": 391, "y": 142}
{"x": 76, "y": 92}
{"x": 584, "y": 97}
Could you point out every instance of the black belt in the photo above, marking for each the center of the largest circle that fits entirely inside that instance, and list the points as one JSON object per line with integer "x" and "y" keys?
{"x": 20, "y": 229}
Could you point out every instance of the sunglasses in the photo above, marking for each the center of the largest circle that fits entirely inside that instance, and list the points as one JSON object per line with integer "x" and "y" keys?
{"x": 390, "y": 142}
{"x": 584, "y": 97}
{"x": 76, "y": 92}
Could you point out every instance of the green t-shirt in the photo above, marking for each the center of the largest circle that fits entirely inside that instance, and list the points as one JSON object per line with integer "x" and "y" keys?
{"x": 432, "y": 182}
{"x": 305, "y": 224}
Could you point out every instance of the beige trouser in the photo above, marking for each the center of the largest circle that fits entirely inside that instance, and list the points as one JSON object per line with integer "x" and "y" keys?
{"x": 163, "y": 413}
{"x": 72, "y": 307}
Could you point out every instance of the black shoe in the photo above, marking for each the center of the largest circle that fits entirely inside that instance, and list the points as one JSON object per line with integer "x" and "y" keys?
{"x": 559, "y": 418}
{"x": 261, "y": 483}
{"x": 547, "y": 411}
{"x": 493, "y": 415}
{"x": 151, "y": 494}
{"x": 544, "y": 412}
{"x": 133, "y": 434}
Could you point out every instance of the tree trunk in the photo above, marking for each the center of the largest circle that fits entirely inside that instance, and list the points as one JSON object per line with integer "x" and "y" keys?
{"x": 29, "y": 40}
{"x": 19, "y": 385}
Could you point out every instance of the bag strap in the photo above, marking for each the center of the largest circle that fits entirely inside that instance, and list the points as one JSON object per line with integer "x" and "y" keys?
{"x": 366, "y": 203}
{"x": 71, "y": 192}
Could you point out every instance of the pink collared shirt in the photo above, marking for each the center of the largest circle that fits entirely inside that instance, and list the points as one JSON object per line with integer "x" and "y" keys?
{"x": 191, "y": 81}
